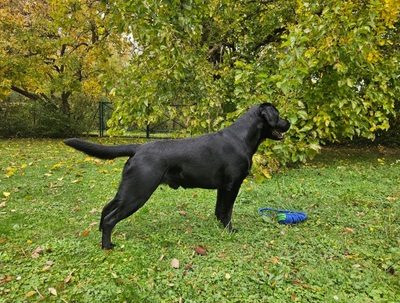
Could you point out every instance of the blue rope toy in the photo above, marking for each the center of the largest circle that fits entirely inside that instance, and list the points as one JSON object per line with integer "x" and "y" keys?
{"x": 286, "y": 217}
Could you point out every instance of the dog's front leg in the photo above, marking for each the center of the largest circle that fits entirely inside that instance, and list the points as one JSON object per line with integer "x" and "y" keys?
{"x": 224, "y": 207}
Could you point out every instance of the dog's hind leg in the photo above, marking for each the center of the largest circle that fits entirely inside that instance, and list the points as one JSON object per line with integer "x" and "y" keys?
{"x": 136, "y": 187}
{"x": 224, "y": 207}
{"x": 113, "y": 204}
{"x": 125, "y": 208}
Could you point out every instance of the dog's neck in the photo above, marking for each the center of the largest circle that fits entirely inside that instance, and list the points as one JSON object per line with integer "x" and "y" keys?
{"x": 249, "y": 128}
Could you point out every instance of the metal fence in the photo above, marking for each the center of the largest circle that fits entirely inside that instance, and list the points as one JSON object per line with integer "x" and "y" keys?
{"x": 167, "y": 125}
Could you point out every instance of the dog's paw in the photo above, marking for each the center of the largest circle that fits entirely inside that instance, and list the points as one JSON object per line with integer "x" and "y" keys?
{"x": 232, "y": 230}
{"x": 229, "y": 228}
{"x": 108, "y": 247}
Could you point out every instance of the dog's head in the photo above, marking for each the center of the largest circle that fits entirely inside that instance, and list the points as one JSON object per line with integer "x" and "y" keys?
{"x": 274, "y": 127}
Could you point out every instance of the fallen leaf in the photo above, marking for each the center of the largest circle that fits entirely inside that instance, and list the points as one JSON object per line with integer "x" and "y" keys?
{"x": 46, "y": 268}
{"x": 53, "y": 291}
{"x": 349, "y": 230}
{"x": 10, "y": 171}
{"x": 274, "y": 260}
{"x": 227, "y": 276}
{"x": 5, "y": 279}
{"x": 85, "y": 233}
{"x": 3, "y": 204}
{"x": 36, "y": 253}
{"x": 182, "y": 213}
{"x": 175, "y": 263}
{"x": 56, "y": 166}
{"x": 6, "y": 194}
{"x": 201, "y": 250}
{"x": 30, "y": 294}
{"x": 68, "y": 278}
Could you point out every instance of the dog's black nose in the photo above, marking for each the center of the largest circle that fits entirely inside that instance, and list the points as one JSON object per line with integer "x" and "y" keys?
{"x": 283, "y": 125}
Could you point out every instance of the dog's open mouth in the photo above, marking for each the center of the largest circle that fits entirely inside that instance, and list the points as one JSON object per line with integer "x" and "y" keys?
{"x": 277, "y": 134}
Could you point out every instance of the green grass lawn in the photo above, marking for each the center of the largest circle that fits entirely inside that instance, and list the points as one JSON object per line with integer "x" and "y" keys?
{"x": 348, "y": 250}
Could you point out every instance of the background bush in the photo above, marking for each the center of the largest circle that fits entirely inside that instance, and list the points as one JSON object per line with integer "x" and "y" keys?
{"x": 26, "y": 118}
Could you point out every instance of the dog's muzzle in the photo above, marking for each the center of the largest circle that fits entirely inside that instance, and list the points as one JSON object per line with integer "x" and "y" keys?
{"x": 277, "y": 134}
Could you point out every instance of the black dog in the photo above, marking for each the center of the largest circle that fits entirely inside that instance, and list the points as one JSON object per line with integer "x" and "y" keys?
{"x": 219, "y": 160}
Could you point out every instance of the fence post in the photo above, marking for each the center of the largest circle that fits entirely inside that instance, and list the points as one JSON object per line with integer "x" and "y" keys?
{"x": 102, "y": 115}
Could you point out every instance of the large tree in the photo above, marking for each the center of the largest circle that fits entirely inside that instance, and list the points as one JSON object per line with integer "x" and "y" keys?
{"x": 51, "y": 50}
{"x": 331, "y": 66}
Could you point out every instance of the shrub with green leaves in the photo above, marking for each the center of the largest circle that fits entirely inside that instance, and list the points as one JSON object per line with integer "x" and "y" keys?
{"x": 331, "y": 67}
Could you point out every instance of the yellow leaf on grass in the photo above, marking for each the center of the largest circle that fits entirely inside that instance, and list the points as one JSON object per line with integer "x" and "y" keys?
{"x": 46, "y": 268}
{"x": 85, "y": 233}
{"x": 30, "y": 294}
{"x": 10, "y": 171}
{"x": 56, "y": 166}
{"x": 6, "y": 194}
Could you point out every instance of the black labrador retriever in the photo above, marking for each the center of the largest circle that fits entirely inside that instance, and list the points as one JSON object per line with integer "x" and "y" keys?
{"x": 219, "y": 160}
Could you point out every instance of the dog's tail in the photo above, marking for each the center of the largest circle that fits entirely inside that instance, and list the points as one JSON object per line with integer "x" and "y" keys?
{"x": 102, "y": 151}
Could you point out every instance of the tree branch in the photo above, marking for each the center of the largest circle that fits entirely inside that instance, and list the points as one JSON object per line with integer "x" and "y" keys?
{"x": 25, "y": 93}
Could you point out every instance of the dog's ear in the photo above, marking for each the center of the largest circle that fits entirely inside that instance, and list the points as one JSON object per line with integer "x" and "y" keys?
{"x": 269, "y": 113}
